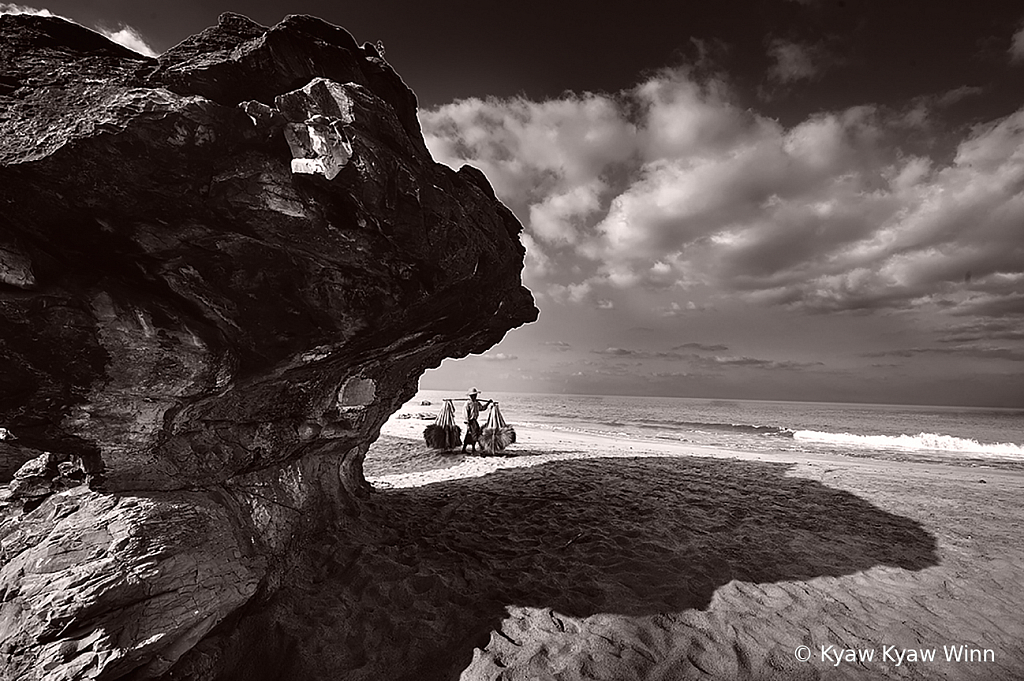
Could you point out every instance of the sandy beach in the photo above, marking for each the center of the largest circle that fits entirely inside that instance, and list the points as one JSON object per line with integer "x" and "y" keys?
{"x": 585, "y": 557}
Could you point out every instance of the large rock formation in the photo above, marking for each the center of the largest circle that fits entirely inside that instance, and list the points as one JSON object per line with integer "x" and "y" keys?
{"x": 220, "y": 272}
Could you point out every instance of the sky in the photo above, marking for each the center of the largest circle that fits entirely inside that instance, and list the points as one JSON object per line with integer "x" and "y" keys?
{"x": 816, "y": 200}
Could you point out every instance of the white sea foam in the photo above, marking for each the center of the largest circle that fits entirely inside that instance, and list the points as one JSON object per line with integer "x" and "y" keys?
{"x": 919, "y": 442}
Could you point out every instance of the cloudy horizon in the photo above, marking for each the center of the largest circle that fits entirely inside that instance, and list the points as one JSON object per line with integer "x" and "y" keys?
{"x": 791, "y": 208}
{"x": 670, "y": 210}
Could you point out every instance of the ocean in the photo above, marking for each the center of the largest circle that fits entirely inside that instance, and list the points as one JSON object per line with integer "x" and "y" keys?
{"x": 965, "y": 435}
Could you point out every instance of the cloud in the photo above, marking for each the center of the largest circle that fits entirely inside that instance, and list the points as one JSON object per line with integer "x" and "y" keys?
{"x": 619, "y": 352}
{"x": 702, "y": 363}
{"x": 670, "y": 374}
{"x": 561, "y": 346}
{"x": 537, "y": 264}
{"x": 499, "y": 357}
{"x": 993, "y": 304}
{"x": 10, "y": 8}
{"x": 125, "y": 35}
{"x": 534, "y": 152}
{"x": 673, "y": 184}
{"x": 555, "y": 218}
{"x": 794, "y": 61}
{"x": 572, "y": 293}
{"x": 673, "y": 310}
{"x": 920, "y": 115}
{"x": 1017, "y": 46}
{"x": 638, "y": 354}
{"x": 701, "y": 347}
{"x": 958, "y": 94}
{"x": 130, "y": 38}
{"x": 967, "y": 350}
{"x": 753, "y": 363}
{"x": 985, "y": 330}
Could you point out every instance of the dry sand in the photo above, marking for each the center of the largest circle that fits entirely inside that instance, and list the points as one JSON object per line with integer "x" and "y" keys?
{"x": 598, "y": 558}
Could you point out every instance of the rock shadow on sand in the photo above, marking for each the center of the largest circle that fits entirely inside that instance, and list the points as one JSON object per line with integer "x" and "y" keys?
{"x": 633, "y": 537}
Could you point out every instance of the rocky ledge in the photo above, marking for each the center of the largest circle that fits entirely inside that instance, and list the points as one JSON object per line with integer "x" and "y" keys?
{"x": 220, "y": 271}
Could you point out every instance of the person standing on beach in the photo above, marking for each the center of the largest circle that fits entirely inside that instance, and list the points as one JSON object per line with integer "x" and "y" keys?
{"x": 473, "y": 407}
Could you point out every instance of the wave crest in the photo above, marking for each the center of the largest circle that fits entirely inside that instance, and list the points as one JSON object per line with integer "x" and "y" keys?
{"x": 919, "y": 442}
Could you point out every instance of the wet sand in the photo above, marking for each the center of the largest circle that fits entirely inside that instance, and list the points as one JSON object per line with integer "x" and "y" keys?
{"x": 584, "y": 557}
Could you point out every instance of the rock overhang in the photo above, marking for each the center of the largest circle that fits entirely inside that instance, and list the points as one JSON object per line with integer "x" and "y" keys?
{"x": 185, "y": 222}
{"x": 202, "y": 327}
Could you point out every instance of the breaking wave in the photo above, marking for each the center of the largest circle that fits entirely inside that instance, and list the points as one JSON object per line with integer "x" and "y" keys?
{"x": 919, "y": 442}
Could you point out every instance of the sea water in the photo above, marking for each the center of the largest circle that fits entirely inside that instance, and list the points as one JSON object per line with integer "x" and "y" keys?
{"x": 968, "y": 435}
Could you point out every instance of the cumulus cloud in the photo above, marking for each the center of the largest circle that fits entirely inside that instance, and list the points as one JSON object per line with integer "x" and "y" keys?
{"x": 550, "y": 154}
{"x": 573, "y": 293}
{"x": 125, "y": 35}
{"x": 1017, "y": 46}
{"x": 674, "y": 184}
{"x": 555, "y": 218}
{"x": 537, "y": 265}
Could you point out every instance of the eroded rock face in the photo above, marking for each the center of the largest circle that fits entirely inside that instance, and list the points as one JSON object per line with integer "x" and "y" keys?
{"x": 220, "y": 272}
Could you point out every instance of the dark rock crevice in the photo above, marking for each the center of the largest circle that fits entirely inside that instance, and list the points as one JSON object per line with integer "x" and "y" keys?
{"x": 220, "y": 272}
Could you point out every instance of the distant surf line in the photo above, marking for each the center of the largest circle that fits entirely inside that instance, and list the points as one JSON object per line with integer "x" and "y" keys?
{"x": 919, "y": 442}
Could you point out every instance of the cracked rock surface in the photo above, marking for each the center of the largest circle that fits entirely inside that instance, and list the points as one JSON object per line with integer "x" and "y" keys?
{"x": 220, "y": 272}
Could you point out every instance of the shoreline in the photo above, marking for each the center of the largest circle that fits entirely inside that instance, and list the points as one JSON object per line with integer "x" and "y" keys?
{"x": 540, "y": 445}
